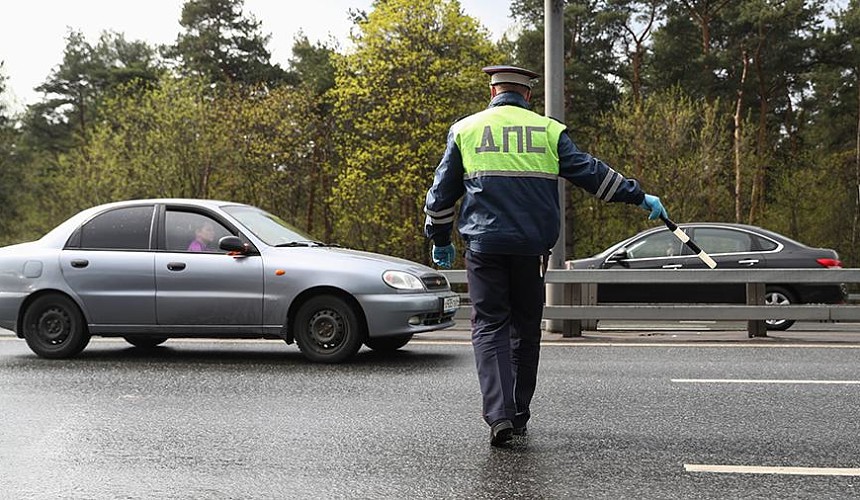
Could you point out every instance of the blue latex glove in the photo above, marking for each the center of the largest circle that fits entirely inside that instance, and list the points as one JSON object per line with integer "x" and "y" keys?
{"x": 653, "y": 204}
{"x": 443, "y": 256}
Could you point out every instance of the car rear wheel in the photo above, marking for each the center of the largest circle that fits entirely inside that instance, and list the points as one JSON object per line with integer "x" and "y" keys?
{"x": 777, "y": 296}
{"x": 327, "y": 330}
{"x": 145, "y": 342}
{"x": 388, "y": 344}
{"x": 54, "y": 327}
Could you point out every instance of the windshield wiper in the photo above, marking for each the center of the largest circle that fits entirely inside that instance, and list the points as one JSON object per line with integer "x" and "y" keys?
{"x": 305, "y": 243}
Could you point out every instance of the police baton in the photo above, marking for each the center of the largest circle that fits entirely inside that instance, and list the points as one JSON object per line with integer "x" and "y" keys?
{"x": 687, "y": 241}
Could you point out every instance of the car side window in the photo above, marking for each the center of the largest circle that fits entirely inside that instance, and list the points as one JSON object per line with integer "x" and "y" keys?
{"x": 119, "y": 229}
{"x": 192, "y": 232}
{"x": 765, "y": 244}
{"x": 716, "y": 240}
{"x": 660, "y": 244}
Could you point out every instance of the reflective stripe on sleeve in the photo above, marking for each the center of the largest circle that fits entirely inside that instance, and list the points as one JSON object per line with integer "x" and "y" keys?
{"x": 441, "y": 216}
{"x": 609, "y": 185}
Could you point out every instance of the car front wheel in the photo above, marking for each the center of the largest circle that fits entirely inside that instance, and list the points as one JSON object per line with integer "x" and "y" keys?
{"x": 778, "y": 297}
{"x": 327, "y": 329}
{"x": 388, "y": 344}
{"x": 54, "y": 327}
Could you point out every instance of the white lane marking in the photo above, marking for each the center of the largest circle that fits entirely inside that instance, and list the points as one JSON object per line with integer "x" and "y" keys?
{"x": 544, "y": 343}
{"x": 666, "y": 344}
{"x": 752, "y": 469}
{"x": 760, "y": 381}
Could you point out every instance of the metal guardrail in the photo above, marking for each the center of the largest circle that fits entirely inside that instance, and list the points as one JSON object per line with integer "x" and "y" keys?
{"x": 583, "y": 310}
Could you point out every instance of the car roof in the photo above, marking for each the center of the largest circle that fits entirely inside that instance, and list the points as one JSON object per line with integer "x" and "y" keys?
{"x": 59, "y": 234}
{"x": 167, "y": 201}
{"x": 767, "y": 232}
{"x": 781, "y": 238}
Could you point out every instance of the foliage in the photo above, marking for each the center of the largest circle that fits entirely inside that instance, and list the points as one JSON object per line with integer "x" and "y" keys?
{"x": 4, "y": 118}
{"x": 414, "y": 71}
{"x": 10, "y": 174}
{"x": 797, "y": 209}
{"x": 221, "y": 44}
{"x": 684, "y": 156}
{"x": 344, "y": 142}
{"x": 311, "y": 65}
{"x": 591, "y": 28}
{"x": 176, "y": 141}
{"x": 87, "y": 74}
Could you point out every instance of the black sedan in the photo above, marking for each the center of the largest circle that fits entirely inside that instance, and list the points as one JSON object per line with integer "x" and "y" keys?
{"x": 731, "y": 246}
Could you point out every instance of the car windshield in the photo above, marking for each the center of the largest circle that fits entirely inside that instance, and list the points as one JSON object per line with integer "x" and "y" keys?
{"x": 270, "y": 228}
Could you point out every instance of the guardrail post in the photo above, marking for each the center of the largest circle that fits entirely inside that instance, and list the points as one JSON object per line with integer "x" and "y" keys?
{"x": 580, "y": 294}
{"x": 590, "y": 294}
{"x": 755, "y": 297}
{"x": 572, "y": 295}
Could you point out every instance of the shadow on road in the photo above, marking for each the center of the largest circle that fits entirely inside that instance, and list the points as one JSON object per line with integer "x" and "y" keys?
{"x": 239, "y": 354}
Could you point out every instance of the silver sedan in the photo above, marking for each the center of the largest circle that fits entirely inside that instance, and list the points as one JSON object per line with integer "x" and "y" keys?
{"x": 149, "y": 270}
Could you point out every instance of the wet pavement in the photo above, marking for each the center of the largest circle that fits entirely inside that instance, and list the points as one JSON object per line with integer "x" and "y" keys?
{"x": 253, "y": 419}
{"x": 679, "y": 332}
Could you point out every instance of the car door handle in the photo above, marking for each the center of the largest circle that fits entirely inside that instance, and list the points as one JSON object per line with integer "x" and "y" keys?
{"x": 80, "y": 263}
{"x": 175, "y": 266}
{"x": 748, "y": 262}
{"x": 673, "y": 266}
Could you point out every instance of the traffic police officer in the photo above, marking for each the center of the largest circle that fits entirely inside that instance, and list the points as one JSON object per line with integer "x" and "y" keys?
{"x": 505, "y": 162}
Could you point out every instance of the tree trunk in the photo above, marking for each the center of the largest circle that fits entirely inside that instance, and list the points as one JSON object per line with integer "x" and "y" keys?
{"x": 757, "y": 195}
{"x": 704, "y": 14}
{"x": 637, "y": 78}
{"x": 738, "y": 135}
{"x": 309, "y": 213}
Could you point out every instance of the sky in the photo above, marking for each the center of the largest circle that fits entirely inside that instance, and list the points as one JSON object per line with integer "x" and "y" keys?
{"x": 32, "y": 32}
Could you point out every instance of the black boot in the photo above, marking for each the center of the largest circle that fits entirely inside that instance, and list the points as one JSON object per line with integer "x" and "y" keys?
{"x": 501, "y": 432}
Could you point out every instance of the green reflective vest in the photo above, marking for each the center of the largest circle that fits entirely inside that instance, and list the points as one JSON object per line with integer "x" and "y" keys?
{"x": 508, "y": 141}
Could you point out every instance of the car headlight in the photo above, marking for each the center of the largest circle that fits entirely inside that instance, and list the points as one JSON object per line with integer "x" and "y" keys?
{"x": 402, "y": 281}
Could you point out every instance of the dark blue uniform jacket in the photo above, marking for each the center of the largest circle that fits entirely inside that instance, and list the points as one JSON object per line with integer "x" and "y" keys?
{"x": 511, "y": 215}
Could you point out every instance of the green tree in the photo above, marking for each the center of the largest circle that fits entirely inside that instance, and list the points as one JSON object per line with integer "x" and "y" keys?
{"x": 174, "y": 140}
{"x": 778, "y": 40}
{"x": 637, "y": 18}
{"x": 222, "y": 44}
{"x": 76, "y": 86}
{"x": 676, "y": 56}
{"x": 592, "y": 31}
{"x": 686, "y": 159}
{"x": 4, "y": 107}
{"x": 828, "y": 178}
{"x": 415, "y": 69}
{"x": 10, "y": 174}
{"x": 312, "y": 65}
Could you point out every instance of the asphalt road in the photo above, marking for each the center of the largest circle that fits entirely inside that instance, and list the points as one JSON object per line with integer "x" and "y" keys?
{"x": 252, "y": 419}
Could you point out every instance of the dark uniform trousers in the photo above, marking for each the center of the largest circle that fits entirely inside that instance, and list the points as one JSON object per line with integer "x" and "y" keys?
{"x": 507, "y": 294}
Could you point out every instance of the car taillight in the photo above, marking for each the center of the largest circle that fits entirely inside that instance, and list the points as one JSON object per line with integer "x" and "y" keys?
{"x": 830, "y": 263}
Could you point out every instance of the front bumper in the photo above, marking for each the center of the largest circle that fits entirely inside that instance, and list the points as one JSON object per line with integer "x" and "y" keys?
{"x": 407, "y": 313}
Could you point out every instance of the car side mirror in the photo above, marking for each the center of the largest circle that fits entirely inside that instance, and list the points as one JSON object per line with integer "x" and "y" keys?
{"x": 232, "y": 244}
{"x": 617, "y": 256}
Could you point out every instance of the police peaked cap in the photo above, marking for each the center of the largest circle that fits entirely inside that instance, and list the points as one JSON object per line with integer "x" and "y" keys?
{"x": 510, "y": 74}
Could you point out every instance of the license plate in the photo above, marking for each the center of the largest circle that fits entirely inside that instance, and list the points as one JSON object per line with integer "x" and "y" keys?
{"x": 451, "y": 303}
